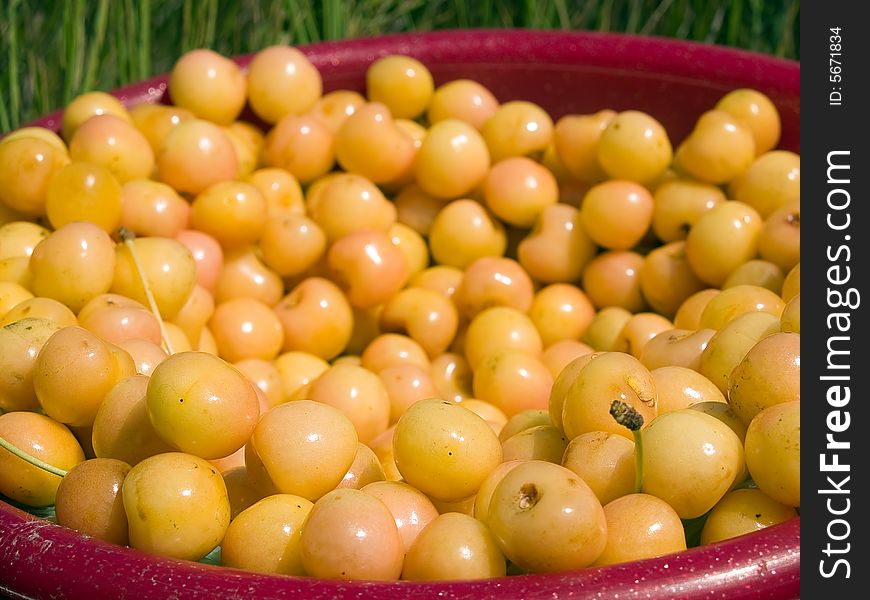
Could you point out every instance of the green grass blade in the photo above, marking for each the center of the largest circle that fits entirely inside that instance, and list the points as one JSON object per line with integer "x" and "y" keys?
{"x": 461, "y": 10}
{"x": 605, "y": 15}
{"x": 486, "y": 13}
{"x": 5, "y": 122}
{"x": 334, "y": 20}
{"x": 786, "y": 46}
{"x": 210, "y": 33}
{"x": 654, "y": 19}
{"x": 685, "y": 16}
{"x": 11, "y": 119}
{"x": 130, "y": 25}
{"x": 635, "y": 14}
{"x": 54, "y": 50}
{"x": 715, "y": 25}
{"x": 73, "y": 33}
{"x": 562, "y": 13}
{"x": 96, "y": 47}
{"x": 144, "y": 62}
{"x": 187, "y": 42}
{"x": 42, "y": 100}
{"x": 756, "y": 10}
{"x": 732, "y": 30}
{"x": 530, "y": 17}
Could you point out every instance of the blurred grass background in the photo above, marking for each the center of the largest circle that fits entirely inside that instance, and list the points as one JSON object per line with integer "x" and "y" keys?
{"x": 53, "y": 50}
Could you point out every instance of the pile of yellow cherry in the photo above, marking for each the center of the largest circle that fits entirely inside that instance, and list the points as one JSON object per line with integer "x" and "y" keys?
{"x": 380, "y": 336}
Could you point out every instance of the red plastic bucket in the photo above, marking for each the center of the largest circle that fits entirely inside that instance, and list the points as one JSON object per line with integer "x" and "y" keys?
{"x": 565, "y": 73}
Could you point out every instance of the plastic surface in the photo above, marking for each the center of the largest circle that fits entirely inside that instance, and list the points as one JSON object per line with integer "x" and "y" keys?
{"x": 43, "y": 560}
{"x": 565, "y": 73}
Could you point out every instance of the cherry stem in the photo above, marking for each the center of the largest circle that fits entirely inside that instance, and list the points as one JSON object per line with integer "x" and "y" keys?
{"x": 627, "y": 416}
{"x": 31, "y": 459}
{"x": 128, "y": 237}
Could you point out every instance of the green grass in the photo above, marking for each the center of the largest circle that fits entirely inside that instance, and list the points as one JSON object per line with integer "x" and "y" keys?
{"x": 53, "y": 50}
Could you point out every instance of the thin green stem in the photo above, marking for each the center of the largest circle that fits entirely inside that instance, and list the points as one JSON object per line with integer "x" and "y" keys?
{"x": 129, "y": 239}
{"x": 627, "y": 416}
{"x": 31, "y": 459}
{"x": 638, "y": 461}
